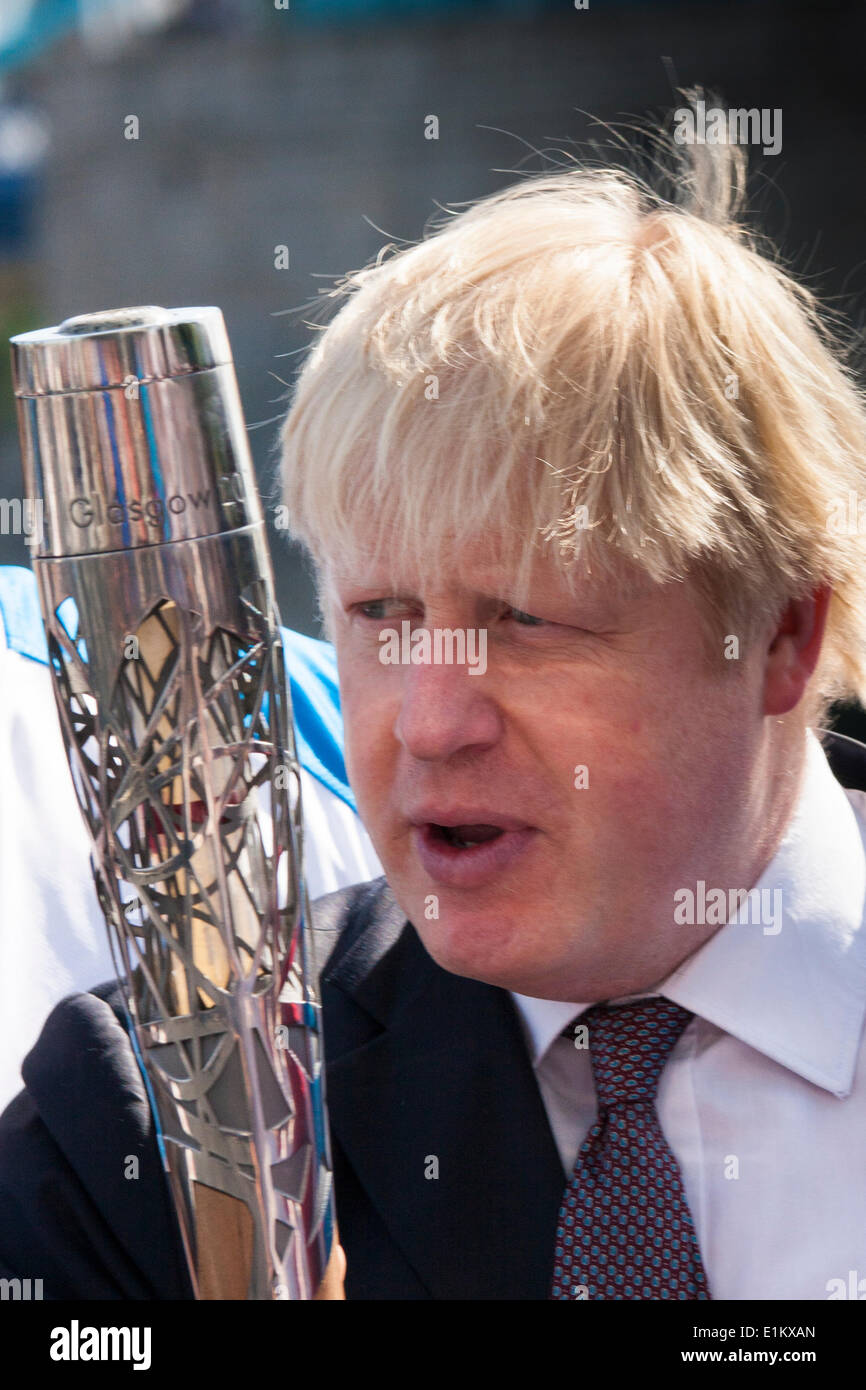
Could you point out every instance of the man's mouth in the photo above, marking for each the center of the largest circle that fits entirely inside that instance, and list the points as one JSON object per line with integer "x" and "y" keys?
{"x": 465, "y": 836}
{"x": 468, "y": 850}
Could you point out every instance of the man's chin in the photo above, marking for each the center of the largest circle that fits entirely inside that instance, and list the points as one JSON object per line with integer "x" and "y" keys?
{"x": 476, "y": 952}
{"x": 493, "y": 943}
{"x": 495, "y": 952}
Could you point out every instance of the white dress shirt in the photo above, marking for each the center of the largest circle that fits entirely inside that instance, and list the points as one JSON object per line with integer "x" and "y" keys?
{"x": 763, "y": 1099}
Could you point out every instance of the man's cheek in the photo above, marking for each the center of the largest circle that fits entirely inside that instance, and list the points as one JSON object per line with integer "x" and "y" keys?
{"x": 363, "y": 775}
{"x": 369, "y": 754}
{"x": 625, "y": 794}
{"x": 362, "y": 715}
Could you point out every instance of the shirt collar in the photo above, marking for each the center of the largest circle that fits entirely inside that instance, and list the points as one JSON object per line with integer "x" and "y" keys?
{"x": 793, "y": 986}
{"x": 545, "y": 1019}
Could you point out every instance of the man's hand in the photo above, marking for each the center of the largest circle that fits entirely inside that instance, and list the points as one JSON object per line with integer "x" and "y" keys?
{"x": 331, "y": 1287}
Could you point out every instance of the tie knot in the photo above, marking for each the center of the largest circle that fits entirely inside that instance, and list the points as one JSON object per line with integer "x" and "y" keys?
{"x": 629, "y": 1045}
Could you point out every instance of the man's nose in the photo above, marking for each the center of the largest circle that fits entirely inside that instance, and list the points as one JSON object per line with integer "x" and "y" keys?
{"x": 444, "y": 709}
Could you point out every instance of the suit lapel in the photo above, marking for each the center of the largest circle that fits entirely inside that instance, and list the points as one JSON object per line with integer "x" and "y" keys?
{"x": 433, "y": 1099}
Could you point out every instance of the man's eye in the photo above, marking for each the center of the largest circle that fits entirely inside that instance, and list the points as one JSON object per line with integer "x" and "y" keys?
{"x": 524, "y": 619}
{"x": 372, "y": 604}
{"x": 378, "y": 610}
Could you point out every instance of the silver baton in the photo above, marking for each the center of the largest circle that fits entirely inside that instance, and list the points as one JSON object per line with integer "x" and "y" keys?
{"x": 168, "y": 670}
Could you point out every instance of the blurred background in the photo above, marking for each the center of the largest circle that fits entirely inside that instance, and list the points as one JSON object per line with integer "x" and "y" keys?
{"x": 302, "y": 124}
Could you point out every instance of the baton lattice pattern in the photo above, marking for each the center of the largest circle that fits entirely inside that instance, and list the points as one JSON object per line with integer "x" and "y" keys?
{"x": 193, "y": 807}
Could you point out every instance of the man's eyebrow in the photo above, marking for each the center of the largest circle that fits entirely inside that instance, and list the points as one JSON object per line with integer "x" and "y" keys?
{"x": 596, "y": 610}
{"x": 360, "y": 575}
{"x": 597, "y": 605}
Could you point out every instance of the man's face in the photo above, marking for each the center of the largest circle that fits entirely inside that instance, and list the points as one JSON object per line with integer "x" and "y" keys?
{"x": 618, "y": 764}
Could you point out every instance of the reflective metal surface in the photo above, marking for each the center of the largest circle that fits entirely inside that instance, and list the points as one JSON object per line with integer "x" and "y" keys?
{"x": 170, "y": 684}
{"x": 132, "y": 434}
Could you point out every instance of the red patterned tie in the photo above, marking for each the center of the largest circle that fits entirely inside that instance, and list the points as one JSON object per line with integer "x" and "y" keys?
{"x": 625, "y": 1230}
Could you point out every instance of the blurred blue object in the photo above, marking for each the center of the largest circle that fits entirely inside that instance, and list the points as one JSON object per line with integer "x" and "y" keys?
{"x": 16, "y": 214}
{"x": 28, "y": 26}
{"x": 24, "y": 140}
{"x": 378, "y": 9}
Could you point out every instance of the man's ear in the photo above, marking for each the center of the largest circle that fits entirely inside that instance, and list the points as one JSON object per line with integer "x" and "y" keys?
{"x": 794, "y": 649}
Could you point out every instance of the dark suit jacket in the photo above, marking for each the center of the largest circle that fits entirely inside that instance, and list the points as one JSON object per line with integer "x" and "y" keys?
{"x": 426, "y": 1073}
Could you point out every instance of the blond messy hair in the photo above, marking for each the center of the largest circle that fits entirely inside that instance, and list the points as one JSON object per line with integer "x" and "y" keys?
{"x": 582, "y": 364}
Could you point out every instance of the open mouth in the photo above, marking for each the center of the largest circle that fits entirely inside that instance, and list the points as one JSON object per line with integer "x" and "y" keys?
{"x": 465, "y": 836}
{"x": 470, "y": 854}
